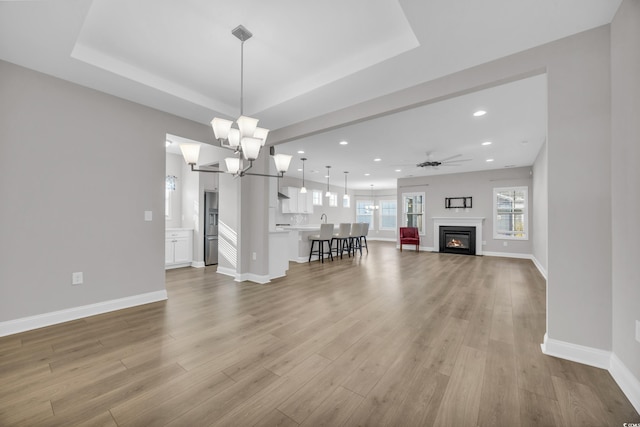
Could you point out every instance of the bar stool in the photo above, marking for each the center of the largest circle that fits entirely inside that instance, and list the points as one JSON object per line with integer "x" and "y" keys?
{"x": 342, "y": 239}
{"x": 326, "y": 234}
{"x": 364, "y": 231}
{"x": 354, "y": 238}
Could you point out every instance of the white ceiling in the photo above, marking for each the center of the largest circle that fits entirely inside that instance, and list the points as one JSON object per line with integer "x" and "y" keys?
{"x": 305, "y": 59}
{"x": 515, "y": 124}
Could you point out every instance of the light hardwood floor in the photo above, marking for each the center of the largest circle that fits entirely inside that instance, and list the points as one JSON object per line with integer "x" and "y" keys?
{"x": 389, "y": 338}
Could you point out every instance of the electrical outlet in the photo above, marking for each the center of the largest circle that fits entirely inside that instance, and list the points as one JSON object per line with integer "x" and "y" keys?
{"x": 77, "y": 278}
{"x": 253, "y": 255}
{"x": 148, "y": 215}
{"x": 504, "y": 244}
{"x": 484, "y": 242}
{"x": 638, "y": 330}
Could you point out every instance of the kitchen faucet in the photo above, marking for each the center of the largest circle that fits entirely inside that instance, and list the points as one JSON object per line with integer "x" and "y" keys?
{"x": 325, "y": 218}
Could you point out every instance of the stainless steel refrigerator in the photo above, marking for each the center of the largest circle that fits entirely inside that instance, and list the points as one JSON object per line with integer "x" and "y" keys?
{"x": 210, "y": 228}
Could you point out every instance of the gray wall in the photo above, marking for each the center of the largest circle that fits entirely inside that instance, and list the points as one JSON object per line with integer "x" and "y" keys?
{"x": 579, "y": 140}
{"x": 540, "y": 218}
{"x": 625, "y": 188}
{"x": 78, "y": 169}
{"x": 478, "y": 185}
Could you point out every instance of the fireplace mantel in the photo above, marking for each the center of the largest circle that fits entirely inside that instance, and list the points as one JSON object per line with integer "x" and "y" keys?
{"x": 452, "y": 222}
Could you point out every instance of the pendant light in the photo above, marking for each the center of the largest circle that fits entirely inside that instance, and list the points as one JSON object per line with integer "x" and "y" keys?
{"x": 303, "y": 190}
{"x": 372, "y": 206}
{"x": 328, "y": 193}
{"x": 346, "y": 195}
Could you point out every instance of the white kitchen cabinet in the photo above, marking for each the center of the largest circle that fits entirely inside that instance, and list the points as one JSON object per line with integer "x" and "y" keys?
{"x": 297, "y": 202}
{"x": 178, "y": 248}
{"x": 305, "y": 202}
{"x": 290, "y": 205}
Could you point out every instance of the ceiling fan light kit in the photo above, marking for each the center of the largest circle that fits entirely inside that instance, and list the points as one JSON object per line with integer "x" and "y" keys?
{"x": 246, "y": 139}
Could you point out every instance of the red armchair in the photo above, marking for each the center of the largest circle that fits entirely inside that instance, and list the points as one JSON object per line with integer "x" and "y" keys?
{"x": 409, "y": 236}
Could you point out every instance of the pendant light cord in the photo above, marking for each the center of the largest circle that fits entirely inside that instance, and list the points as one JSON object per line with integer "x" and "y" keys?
{"x": 242, "y": 77}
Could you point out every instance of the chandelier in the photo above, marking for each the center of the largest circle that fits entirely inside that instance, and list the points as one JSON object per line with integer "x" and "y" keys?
{"x": 246, "y": 139}
{"x": 372, "y": 206}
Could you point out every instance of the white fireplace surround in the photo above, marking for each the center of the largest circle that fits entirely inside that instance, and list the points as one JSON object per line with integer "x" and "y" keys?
{"x": 455, "y": 222}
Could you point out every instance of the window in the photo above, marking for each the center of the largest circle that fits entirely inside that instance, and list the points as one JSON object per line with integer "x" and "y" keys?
{"x": 169, "y": 188}
{"x": 387, "y": 214}
{"x": 333, "y": 199}
{"x": 363, "y": 214}
{"x": 346, "y": 201}
{"x": 510, "y": 213}
{"x": 413, "y": 210}
{"x": 317, "y": 197}
{"x": 167, "y": 204}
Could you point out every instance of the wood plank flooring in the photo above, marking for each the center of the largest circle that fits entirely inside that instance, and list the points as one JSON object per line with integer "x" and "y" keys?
{"x": 389, "y": 338}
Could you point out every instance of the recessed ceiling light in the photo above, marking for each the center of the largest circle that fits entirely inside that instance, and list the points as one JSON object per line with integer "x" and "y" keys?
{"x": 479, "y": 113}
{"x": 299, "y": 170}
{"x": 489, "y": 160}
{"x": 377, "y": 159}
{"x": 343, "y": 142}
{"x": 300, "y": 151}
{"x": 398, "y": 170}
{"x": 487, "y": 143}
{"x": 367, "y": 174}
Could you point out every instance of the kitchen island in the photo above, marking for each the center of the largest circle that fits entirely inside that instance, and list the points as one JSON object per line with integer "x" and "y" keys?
{"x": 299, "y": 244}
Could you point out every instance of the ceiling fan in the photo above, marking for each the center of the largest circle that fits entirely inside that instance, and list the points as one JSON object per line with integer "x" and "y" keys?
{"x": 449, "y": 161}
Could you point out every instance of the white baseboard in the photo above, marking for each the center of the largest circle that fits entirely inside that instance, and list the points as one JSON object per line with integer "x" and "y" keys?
{"x": 226, "y": 271}
{"x": 576, "y": 353}
{"x": 250, "y": 277}
{"x": 507, "y": 255}
{"x": 539, "y": 267}
{"x": 197, "y": 264}
{"x": 172, "y": 266}
{"x": 413, "y": 248}
{"x": 47, "y": 319}
{"x": 262, "y": 279}
{"x": 381, "y": 239}
{"x": 629, "y": 384}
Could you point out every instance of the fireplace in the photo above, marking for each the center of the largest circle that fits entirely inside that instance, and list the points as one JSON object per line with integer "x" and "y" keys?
{"x": 458, "y": 240}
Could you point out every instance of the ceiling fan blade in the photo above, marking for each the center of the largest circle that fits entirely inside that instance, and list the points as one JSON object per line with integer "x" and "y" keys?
{"x": 456, "y": 161}
{"x": 452, "y": 157}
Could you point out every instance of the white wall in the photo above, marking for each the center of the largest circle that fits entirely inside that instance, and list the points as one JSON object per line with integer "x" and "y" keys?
{"x": 540, "y": 218}
{"x": 625, "y": 186}
{"x": 479, "y": 186}
{"x": 72, "y": 201}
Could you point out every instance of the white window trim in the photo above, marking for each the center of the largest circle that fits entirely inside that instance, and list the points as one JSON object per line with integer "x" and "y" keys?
{"x": 424, "y": 210}
{"x": 381, "y": 201}
{"x": 497, "y": 236}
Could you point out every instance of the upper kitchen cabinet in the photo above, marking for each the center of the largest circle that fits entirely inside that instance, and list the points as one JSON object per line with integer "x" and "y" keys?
{"x": 297, "y": 202}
